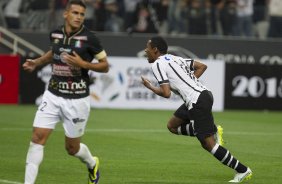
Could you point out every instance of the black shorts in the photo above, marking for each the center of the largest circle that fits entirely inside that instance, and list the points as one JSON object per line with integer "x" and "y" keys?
{"x": 201, "y": 113}
{"x": 183, "y": 113}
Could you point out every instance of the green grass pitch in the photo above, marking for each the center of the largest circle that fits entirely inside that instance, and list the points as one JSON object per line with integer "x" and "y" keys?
{"x": 135, "y": 147}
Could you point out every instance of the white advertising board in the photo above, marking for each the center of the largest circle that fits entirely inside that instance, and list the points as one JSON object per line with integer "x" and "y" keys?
{"x": 121, "y": 87}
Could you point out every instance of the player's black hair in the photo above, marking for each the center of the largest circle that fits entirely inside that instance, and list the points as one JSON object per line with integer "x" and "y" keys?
{"x": 159, "y": 43}
{"x": 76, "y": 2}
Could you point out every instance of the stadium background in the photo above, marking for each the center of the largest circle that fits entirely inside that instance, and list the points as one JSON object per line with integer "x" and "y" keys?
{"x": 133, "y": 144}
{"x": 251, "y": 71}
{"x": 205, "y": 29}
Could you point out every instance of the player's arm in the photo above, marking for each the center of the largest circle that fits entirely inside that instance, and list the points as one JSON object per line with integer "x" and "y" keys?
{"x": 75, "y": 60}
{"x": 199, "y": 68}
{"x": 163, "y": 90}
{"x": 98, "y": 52}
{"x": 101, "y": 66}
{"x": 31, "y": 64}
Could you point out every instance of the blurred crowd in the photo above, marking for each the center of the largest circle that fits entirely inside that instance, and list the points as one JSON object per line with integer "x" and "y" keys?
{"x": 248, "y": 18}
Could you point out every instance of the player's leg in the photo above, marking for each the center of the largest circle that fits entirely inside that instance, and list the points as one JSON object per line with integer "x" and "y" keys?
{"x": 77, "y": 149}
{"x": 177, "y": 126}
{"x": 35, "y": 153}
{"x": 205, "y": 129}
{"x": 226, "y": 158}
{"x": 180, "y": 122}
{"x": 44, "y": 122}
{"x": 209, "y": 143}
{"x": 75, "y": 116}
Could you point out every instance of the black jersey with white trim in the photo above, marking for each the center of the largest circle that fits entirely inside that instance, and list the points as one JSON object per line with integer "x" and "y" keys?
{"x": 69, "y": 81}
{"x": 178, "y": 72}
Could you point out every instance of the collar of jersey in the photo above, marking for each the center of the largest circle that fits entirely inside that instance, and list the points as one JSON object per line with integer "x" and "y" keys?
{"x": 72, "y": 33}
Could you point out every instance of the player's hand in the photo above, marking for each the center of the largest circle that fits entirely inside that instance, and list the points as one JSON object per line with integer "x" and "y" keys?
{"x": 146, "y": 82}
{"x": 74, "y": 60}
{"x": 29, "y": 65}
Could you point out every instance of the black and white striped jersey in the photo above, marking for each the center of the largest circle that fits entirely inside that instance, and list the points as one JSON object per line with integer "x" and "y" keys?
{"x": 179, "y": 73}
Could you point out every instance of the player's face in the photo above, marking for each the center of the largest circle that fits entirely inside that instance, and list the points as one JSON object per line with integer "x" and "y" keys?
{"x": 74, "y": 17}
{"x": 150, "y": 52}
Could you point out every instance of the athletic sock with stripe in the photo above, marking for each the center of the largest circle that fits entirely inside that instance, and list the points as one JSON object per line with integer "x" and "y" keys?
{"x": 226, "y": 158}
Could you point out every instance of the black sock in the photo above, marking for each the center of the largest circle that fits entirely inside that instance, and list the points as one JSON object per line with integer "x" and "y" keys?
{"x": 225, "y": 157}
{"x": 186, "y": 129}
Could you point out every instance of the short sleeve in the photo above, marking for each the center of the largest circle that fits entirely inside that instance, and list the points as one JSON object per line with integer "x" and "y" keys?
{"x": 95, "y": 47}
{"x": 190, "y": 63}
{"x": 159, "y": 72}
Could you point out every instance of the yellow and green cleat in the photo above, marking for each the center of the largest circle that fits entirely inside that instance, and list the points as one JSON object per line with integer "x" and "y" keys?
{"x": 240, "y": 177}
{"x": 219, "y": 135}
{"x": 94, "y": 174}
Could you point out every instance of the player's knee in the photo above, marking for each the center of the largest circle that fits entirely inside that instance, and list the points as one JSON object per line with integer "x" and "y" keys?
{"x": 171, "y": 128}
{"x": 38, "y": 138}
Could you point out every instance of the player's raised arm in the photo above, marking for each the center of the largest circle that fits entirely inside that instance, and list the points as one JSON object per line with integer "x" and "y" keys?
{"x": 199, "y": 68}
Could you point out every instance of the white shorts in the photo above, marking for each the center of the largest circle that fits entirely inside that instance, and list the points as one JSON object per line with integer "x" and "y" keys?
{"x": 73, "y": 113}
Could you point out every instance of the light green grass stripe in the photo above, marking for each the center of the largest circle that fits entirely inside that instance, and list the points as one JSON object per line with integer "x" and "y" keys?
{"x": 9, "y": 182}
{"x": 116, "y": 130}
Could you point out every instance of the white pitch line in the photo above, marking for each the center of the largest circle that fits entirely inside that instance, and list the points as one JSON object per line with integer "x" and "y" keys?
{"x": 120, "y": 130}
{"x": 127, "y": 130}
{"x": 9, "y": 182}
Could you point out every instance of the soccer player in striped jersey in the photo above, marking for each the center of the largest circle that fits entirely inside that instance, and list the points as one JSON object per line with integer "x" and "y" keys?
{"x": 180, "y": 76}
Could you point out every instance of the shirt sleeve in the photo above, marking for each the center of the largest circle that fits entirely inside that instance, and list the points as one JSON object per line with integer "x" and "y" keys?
{"x": 96, "y": 48}
{"x": 159, "y": 72}
{"x": 190, "y": 63}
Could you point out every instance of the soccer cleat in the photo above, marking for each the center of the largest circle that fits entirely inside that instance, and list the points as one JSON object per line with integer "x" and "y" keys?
{"x": 218, "y": 135}
{"x": 94, "y": 173}
{"x": 239, "y": 177}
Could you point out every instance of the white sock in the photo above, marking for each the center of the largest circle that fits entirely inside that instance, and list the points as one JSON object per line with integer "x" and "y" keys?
{"x": 85, "y": 156}
{"x": 33, "y": 159}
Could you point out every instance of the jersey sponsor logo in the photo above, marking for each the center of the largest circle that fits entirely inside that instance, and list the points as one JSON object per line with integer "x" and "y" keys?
{"x": 80, "y": 38}
{"x": 67, "y": 50}
{"x": 167, "y": 58}
{"x": 62, "y": 57}
{"x": 57, "y": 35}
{"x": 66, "y": 70}
{"x": 77, "y": 120}
{"x": 70, "y": 85}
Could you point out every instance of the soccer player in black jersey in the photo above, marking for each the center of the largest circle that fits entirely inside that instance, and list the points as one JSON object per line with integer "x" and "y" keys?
{"x": 73, "y": 47}
{"x": 178, "y": 74}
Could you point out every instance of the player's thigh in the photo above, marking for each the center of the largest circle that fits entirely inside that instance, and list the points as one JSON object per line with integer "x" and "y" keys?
{"x": 180, "y": 116}
{"x": 75, "y": 116}
{"x": 203, "y": 124}
{"x": 48, "y": 112}
{"x": 202, "y": 116}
